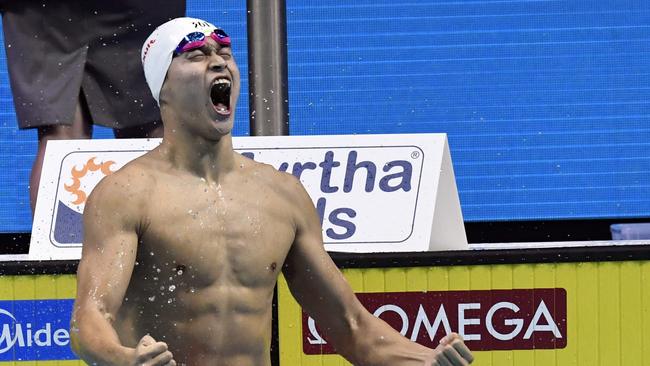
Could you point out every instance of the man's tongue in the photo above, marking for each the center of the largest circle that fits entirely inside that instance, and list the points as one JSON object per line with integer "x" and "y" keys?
{"x": 221, "y": 108}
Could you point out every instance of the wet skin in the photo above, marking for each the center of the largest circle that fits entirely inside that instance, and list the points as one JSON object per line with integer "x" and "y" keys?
{"x": 183, "y": 247}
{"x": 207, "y": 261}
{"x": 190, "y": 237}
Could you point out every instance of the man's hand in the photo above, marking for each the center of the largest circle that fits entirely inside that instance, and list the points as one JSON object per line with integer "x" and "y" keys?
{"x": 451, "y": 352}
{"x": 148, "y": 352}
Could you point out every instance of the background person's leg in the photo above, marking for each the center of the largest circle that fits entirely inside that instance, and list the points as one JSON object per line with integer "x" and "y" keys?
{"x": 81, "y": 128}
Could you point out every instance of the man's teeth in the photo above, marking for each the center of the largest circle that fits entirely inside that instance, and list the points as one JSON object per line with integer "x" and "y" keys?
{"x": 222, "y": 81}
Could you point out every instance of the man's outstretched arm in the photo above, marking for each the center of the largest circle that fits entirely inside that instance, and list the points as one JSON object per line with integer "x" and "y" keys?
{"x": 108, "y": 258}
{"x": 323, "y": 292}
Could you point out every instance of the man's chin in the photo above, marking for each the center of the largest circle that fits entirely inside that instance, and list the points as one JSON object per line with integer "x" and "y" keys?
{"x": 223, "y": 126}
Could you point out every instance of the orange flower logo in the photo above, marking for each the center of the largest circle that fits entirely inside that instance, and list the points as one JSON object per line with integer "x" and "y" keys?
{"x": 77, "y": 175}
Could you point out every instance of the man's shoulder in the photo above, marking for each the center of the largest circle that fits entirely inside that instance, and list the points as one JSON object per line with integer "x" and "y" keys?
{"x": 282, "y": 182}
{"x": 134, "y": 178}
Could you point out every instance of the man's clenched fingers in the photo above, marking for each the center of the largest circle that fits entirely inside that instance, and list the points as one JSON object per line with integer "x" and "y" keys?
{"x": 150, "y": 352}
{"x": 454, "y": 358}
{"x": 147, "y": 340}
{"x": 462, "y": 350}
{"x": 153, "y": 350}
{"x": 441, "y": 360}
{"x": 454, "y": 342}
{"x": 162, "y": 359}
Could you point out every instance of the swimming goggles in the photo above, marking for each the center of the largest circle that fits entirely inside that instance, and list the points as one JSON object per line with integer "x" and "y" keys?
{"x": 197, "y": 39}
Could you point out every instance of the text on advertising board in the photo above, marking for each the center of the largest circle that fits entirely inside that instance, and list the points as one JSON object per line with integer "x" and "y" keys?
{"x": 345, "y": 180}
{"x": 341, "y": 181}
{"x": 486, "y": 319}
{"x": 35, "y": 330}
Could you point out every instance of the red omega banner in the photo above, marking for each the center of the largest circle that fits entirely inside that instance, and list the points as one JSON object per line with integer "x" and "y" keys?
{"x": 521, "y": 319}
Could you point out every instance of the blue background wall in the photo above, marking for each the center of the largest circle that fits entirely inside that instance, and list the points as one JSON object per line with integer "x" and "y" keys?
{"x": 545, "y": 102}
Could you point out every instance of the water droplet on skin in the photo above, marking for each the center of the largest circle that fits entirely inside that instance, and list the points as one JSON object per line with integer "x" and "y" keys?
{"x": 152, "y": 298}
{"x": 169, "y": 301}
{"x": 179, "y": 272}
{"x": 172, "y": 288}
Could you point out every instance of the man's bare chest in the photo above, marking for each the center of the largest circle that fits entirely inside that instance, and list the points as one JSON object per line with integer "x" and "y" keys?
{"x": 239, "y": 234}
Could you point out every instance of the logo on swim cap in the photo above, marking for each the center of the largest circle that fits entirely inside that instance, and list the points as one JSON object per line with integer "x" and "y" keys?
{"x": 157, "y": 50}
{"x": 146, "y": 49}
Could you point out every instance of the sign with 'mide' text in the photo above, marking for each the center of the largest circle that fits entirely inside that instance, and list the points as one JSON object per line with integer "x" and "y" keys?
{"x": 374, "y": 193}
{"x": 35, "y": 330}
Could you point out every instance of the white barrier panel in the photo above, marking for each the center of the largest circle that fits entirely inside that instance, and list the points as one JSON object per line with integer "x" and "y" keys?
{"x": 374, "y": 193}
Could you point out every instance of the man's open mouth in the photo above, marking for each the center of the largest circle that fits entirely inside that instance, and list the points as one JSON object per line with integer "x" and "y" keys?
{"x": 220, "y": 95}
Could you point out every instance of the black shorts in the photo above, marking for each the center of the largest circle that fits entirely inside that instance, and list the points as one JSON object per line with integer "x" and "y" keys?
{"x": 59, "y": 50}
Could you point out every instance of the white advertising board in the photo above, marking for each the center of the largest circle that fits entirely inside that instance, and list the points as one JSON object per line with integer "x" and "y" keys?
{"x": 374, "y": 193}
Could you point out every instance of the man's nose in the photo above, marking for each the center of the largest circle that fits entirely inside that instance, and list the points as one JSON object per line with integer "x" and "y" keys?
{"x": 217, "y": 63}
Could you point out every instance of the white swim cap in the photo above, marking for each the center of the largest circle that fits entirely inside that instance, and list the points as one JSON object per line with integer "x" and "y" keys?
{"x": 157, "y": 50}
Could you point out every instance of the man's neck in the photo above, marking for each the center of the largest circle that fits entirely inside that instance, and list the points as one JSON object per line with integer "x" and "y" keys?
{"x": 206, "y": 159}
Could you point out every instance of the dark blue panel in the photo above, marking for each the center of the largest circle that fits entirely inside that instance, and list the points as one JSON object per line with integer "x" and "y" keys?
{"x": 545, "y": 102}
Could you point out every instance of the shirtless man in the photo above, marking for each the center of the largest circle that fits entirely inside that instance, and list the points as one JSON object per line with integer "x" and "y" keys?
{"x": 183, "y": 246}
